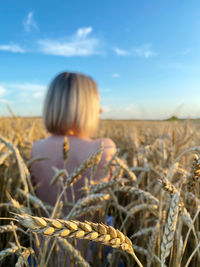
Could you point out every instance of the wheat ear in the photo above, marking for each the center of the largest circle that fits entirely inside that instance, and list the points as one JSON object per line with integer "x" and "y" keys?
{"x": 33, "y": 199}
{"x": 4, "y": 156}
{"x": 8, "y": 251}
{"x": 96, "y": 161}
{"x": 170, "y": 228}
{"x": 109, "y": 164}
{"x": 139, "y": 192}
{"x": 78, "y": 172}
{"x": 167, "y": 186}
{"x": 83, "y": 211}
{"x": 58, "y": 174}
{"x": 129, "y": 173}
{"x": 30, "y": 162}
{"x": 104, "y": 185}
{"x": 152, "y": 243}
{"x": 144, "y": 231}
{"x": 23, "y": 170}
{"x": 7, "y": 228}
{"x": 65, "y": 149}
{"x": 97, "y": 232}
{"x": 86, "y": 201}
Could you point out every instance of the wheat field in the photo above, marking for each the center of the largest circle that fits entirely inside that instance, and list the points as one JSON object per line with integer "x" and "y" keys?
{"x": 151, "y": 200}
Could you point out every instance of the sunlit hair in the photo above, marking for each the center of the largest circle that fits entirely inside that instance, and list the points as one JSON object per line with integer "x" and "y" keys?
{"x": 71, "y": 105}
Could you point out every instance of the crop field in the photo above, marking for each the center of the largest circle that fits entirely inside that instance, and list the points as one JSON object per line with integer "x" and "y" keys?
{"x": 149, "y": 209}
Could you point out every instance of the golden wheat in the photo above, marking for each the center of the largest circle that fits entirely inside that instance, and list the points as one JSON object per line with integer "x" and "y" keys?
{"x": 97, "y": 232}
{"x": 147, "y": 152}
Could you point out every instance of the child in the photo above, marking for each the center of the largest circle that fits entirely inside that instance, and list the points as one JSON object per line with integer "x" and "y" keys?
{"x": 71, "y": 109}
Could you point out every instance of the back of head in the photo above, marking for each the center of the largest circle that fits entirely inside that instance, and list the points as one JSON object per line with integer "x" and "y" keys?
{"x": 71, "y": 105}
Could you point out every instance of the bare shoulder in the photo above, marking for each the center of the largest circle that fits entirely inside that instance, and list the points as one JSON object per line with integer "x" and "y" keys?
{"x": 36, "y": 147}
{"x": 108, "y": 143}
{"x": 109, "y": 148}
{"x": 108, "y": 151}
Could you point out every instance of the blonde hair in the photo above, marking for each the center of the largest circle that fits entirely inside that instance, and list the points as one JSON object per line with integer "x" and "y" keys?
{"x": 71, "y": 105}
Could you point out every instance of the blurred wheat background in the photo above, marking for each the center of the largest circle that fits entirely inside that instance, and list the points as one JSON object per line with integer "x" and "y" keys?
{"x": 152, "y": 199}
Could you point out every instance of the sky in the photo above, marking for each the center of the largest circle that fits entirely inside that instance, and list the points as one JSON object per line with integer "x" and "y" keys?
{"x": 144, "y": 55}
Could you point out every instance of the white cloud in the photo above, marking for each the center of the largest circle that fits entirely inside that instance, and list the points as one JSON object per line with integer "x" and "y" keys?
{"x": 26, "y": 92}
{"x": 26, "y": 86}
{"x": 38, "y": 95}
{"x": 12, "y": 48}
{"x": 84, "y": 32}
{"x": 80, "y": 44}
{"x": 5, "y": 101}
{"x": 30, "y": 23}
{"x": 121, "y": 52}
{"x": 106, "y": 109}
{"x": 144, "y": 51}
{"x": 115, "y": 75}
{"x": 123, "y": 112}
{"x": 2, "y": 91}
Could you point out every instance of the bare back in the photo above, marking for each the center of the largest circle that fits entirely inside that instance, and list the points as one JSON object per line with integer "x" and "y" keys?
{"x": 80, "y": 149}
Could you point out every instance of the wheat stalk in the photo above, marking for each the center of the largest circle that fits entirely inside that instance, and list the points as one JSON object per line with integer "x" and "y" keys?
{"x": 191, "y": 227}
{"x": 4, "y": 156}
{"x": 86, "y": 201}
{"x": 30, "y": 162}
{"x": 74, "y": 252}
{"x": 14, "y": 204}
{"x": 79, "y": 206}
{"x": 57, "y": 175}
{"x": 192, "y": 255}
{"x": 170, "y": 228}
{"x": 96, "y": 161}
{"x": 139, "y": 192}
{"x": 7, "y": 228}
{"x": 144, "y": 231}
{"x": 24, "y": 173}
{"x": 167, "y": 186}
{"x": 22, "y": 259}
{"x": 145, "y": 252}
{"x": 77, "y": 173}
{"x": 109, "y": 164}
{"x": 140, "y": 207}
{"x": 83, "y": 211}
{"x": 8, "y": 251}
{"x": 97, "y": 232}
{"x": 129, "y": 173}
{"x": 152, "y": 243}
{"x": 65, "y": 149}
{"x": 33, "y": 199}
{"x": 99, "y": 187}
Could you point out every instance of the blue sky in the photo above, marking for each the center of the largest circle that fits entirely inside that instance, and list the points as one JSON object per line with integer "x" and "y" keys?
{"x": 144, "y": 55}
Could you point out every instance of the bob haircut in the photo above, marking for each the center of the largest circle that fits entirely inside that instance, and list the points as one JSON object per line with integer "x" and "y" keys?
{"x": 72, "y": 105}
